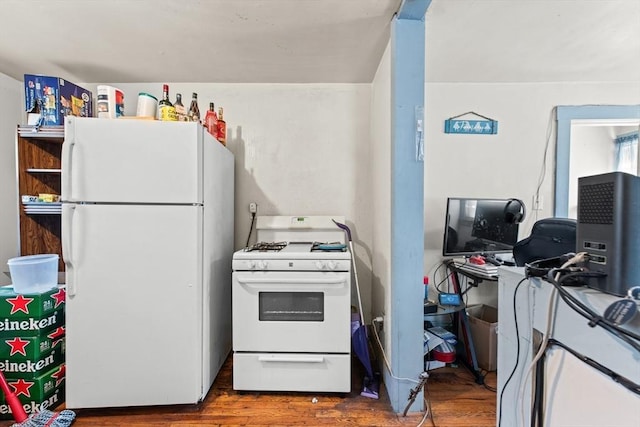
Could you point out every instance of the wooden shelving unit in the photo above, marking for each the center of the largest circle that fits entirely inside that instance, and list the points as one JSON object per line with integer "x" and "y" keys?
{"x": 39, "y": 152}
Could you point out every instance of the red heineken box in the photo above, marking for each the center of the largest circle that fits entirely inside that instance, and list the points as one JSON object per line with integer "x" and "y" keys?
{"x": 30, "y": 369}
{"x": 31, "y": 348}
{"x": 39, "y": 388}
{"x": 33, "y": 404}
{"x": 13, "y": 305}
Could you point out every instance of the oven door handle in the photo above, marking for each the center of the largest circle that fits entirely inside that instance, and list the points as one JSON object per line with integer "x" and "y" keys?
{"x": 291, "y": 358}
{"x": 305, "y": 281}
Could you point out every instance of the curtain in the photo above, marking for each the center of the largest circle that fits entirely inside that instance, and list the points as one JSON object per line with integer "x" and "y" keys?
{"x": 627, "y": 153}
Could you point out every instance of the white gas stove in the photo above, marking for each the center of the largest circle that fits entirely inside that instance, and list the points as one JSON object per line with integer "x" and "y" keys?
{"x": 291, "y": 301}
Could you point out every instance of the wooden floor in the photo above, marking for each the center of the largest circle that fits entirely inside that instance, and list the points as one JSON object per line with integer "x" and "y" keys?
{"x": 456, "y": 400}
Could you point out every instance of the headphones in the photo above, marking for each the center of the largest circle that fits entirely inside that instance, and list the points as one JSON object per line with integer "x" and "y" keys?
{"x": 514, "y": 211}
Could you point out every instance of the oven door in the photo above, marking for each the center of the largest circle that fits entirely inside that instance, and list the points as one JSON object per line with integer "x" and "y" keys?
{"x": 281, "y": 311}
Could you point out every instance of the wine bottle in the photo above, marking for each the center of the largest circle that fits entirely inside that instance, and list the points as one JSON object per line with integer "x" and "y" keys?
{"x": 211, "y": 120}
{"x": 222, "y": 128}
{"x": 181, "y": 112}
{"x": 194, "y": 111}
{"x": 167, "y": 112}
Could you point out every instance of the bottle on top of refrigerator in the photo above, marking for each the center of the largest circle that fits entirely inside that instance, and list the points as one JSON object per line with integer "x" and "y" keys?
{"x": 194, "y": 111}
{"x": 166, "y": 110}
{"x": 181, "y": 112}
{"x": 222, "y": 128}
{"x": 211, "y": 121}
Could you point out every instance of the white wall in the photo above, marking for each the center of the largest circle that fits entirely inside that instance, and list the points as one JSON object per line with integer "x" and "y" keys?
{"x": 10, "y": 116}
{"x": 380, "y": 167}
{"x": 508, "y": 164}
{"x": 299, "y": 149}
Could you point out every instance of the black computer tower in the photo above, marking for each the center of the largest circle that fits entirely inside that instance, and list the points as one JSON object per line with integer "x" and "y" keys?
{"x": 608, "y": 229}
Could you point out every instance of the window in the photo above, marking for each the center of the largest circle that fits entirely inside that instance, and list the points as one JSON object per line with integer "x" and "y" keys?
{"x": 627, "y": 153}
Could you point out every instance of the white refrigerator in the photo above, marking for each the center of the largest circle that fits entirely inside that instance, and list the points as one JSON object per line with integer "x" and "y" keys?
{"x": 147, "y": 241}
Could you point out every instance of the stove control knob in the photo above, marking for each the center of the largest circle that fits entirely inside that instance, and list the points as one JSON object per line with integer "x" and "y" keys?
{"x": 321, "y": 265}
{"x": 252, "y": 265}
{"x": 332, "y": 265}
{"x": 262, "y": 265}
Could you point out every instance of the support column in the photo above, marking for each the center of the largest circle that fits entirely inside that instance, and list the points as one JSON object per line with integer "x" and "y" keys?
{"x": 407, "y": 200}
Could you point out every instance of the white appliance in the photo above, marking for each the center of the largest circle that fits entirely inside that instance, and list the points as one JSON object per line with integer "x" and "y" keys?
{"x": 292, "y": 307}
{"x": 147, "y": 239}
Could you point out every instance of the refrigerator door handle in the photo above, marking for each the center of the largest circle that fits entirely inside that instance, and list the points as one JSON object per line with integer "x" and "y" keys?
{"x": 67, "y": 150}
{"x": 68, "y": 212}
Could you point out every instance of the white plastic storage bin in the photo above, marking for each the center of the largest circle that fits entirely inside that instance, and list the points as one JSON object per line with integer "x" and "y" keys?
{"x": 34, "y": 274}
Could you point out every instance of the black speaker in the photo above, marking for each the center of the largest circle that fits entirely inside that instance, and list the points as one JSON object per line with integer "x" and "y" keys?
{"x": 608, "y": 229}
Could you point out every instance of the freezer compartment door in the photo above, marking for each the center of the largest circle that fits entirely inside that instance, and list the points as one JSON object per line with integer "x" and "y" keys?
{"x": 131, "y": 161}
{"x": 134, "y": 305}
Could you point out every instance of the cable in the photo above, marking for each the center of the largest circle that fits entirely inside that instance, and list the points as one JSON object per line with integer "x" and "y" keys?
{"x": 543, "y": 170}
{"x": 551, "y": 315}
{"x": 433, "y": 272}
{"x": 253, "y": 218}
{"x": 484, "y": 374}
{"x": 515, "y": 318}
{"x": 424, "y": 381}
{"x": 446, "y": 279}
{"x": 428, "y": 412}
{"x": 593, "y": 317}
{"x": 384, "y": 356}
{"x": 623, "y": 381}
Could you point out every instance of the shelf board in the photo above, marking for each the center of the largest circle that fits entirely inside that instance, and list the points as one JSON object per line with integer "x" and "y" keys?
{"x": 36, "y": 170}
{"x": 30, "y": 131}
{"x": 44, "y": 213}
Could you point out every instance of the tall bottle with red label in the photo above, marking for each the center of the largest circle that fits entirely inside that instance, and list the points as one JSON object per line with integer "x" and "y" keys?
{"x": 222, "y": 128}
{"x": 211, "y": 121}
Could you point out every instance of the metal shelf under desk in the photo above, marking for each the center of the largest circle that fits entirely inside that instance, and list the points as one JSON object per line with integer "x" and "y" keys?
{"x": 470, "y": 361}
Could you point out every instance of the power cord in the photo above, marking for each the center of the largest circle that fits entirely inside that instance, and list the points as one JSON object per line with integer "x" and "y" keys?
{"x": 484, "y": 374}
{"x": 384, "y": 356}
{"x": 578, "y": 258}
{"x": 412, "y": 397}
{"x": 543, "y": 170}
{"x": 513, "y": 371}
{"x": 594, "y": 318}
{"x": 623, "y": 381}
{"x": 253, "y": 219}
{"x": 422, "y": 381}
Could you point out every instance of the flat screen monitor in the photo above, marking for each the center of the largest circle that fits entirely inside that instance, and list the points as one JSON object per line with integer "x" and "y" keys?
{"x": 477, "y": 226}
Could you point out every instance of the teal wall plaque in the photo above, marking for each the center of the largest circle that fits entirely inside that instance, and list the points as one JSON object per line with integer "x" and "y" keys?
{"x": 456, "y": 124}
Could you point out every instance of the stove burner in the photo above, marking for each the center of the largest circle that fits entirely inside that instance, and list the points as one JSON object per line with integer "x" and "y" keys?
{"x": 267, "y": 247}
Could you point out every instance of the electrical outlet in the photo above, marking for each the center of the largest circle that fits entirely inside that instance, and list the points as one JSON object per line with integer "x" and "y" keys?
{"x": 253, "y": 207}
{"x": 537, "y": 202}
{"x": 379, "y": 321}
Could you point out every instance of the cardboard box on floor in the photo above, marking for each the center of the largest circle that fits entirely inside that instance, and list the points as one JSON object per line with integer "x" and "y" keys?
{"x": 483, "y": 321}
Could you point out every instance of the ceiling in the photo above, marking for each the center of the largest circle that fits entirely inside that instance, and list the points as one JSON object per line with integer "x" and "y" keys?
{"x": 316, "y": 41}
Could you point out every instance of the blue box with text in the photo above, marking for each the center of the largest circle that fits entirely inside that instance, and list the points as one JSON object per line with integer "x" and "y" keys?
{"x": 56, "y": 98}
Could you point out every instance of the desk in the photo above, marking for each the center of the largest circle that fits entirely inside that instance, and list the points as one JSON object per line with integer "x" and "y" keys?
{"x": 476, "y": 278}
